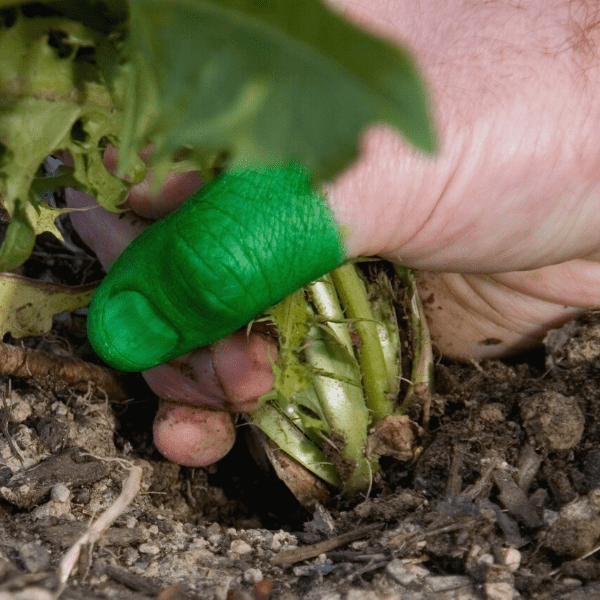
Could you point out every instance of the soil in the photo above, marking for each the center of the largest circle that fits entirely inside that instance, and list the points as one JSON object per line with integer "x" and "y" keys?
{"x": 501, "y": 501}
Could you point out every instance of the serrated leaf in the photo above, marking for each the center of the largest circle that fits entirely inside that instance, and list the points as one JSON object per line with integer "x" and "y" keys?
{"x": 268, "y": 81}
{"x": 49, "y": 102}
{"x": 291, "y": 316}
{"x": 27, "y": 306}
{"x": 44, "y": 217}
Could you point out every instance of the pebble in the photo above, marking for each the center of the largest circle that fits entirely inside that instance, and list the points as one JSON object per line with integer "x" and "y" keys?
{"x": 282, "y": 540}
{"x": 443, "y": 583}
{"x": 34, "y": 557}
{"x": 20, "y": 411}
{"x": 511, "y": 559}
{"x": 52, "y": 509}
{"x": 213, "y": 529}
{"x": 500, "y": 590}
{"x": 398, "y": 571}
{"x": 152, "y": 549}
{"x": 130, "y": 522}
{"x": 252, "y": 575}
{"x": 5, "y": 474}
{"x": 240, "y": 547}
{"x": 60, "y": 493}
{"x": 571, "y": 582}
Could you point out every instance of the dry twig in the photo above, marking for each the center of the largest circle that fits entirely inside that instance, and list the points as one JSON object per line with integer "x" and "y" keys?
{"x": 289, "y": 557}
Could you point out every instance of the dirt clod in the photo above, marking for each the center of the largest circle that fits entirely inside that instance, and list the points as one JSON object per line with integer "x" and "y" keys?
{"x": 577, "y": 528}
{"x": 554, "y": 421}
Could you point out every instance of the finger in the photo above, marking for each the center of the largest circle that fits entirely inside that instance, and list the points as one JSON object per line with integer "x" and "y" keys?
{"x": 193, "y": 437}
{"x": 230, "y": 375}
{"x": 175, "y": 190}
{"x": 242, "y": 243}
{"x": 106, "y": 233}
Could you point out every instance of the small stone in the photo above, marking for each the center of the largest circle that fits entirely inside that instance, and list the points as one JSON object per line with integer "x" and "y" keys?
{"x": 360, "y": 545}
{"x": 252, "y": 575}
{"x": 59, "y": 409}
{"x": 443, "y": 583}
{"x": 571, "y": 582}
{"x": 20, "y": 411}
{"x": 5, "y": 474}
{"x": 282, "y": 540}
{"x": 500, "y": 590}
{"x": 214, "y": 529}
{"x": 60, "y": 493}
{"x": 152, "y": 549}
{"x": 398, "y": 571}
{"x": 33, "y": 557}
{"x": 240, "y": 547}
{"x": 52, "y": 509}
{"x": 511, "y": 558}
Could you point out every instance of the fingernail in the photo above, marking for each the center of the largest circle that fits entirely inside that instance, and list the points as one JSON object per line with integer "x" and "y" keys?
{"x": 130, "y": 334}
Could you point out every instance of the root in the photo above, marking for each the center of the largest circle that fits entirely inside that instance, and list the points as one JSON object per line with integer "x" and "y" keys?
{"x": 131, "y": 489}
{"x": 59, "y": 373}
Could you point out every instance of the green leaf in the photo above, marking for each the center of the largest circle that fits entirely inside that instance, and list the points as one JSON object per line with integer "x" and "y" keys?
{"x": 27, "y": 306}
{"x": 44, "y": 217}
{"x": 292, "y": 317}
{"x": 266, "y": 81}
{"x": 19, "y": 240}
{"x": 272, "y": 420}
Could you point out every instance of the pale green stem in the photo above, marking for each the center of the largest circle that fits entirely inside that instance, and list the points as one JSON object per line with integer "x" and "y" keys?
{"x": 342, "y": 402}
{"x": 422, "y": 364}
{"x": 353, "y": 295}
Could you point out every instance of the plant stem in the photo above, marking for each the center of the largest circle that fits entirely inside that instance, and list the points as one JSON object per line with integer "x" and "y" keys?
{"x": 353, "y": 295}
{"x": 343, "y": 403}
{"x": 422, "y": 365}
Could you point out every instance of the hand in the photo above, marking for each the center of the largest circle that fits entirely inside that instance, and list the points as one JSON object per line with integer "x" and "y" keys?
{"x": 503, "y": 222}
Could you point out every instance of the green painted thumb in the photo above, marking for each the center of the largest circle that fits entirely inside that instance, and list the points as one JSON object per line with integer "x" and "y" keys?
{"x": 243, "y": 242}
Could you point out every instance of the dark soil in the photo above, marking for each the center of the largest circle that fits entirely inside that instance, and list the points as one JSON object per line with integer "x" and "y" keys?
{"x": 502, "y": 501}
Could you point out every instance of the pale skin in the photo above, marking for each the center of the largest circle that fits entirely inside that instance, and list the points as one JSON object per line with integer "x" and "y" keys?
{"x": 504, "y": 223}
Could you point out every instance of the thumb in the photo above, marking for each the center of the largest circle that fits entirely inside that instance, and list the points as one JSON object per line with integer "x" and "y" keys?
{"x": 243, "y": 242}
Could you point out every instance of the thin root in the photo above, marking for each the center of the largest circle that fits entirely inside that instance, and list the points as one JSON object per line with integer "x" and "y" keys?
{"x": 131, "y": 489}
